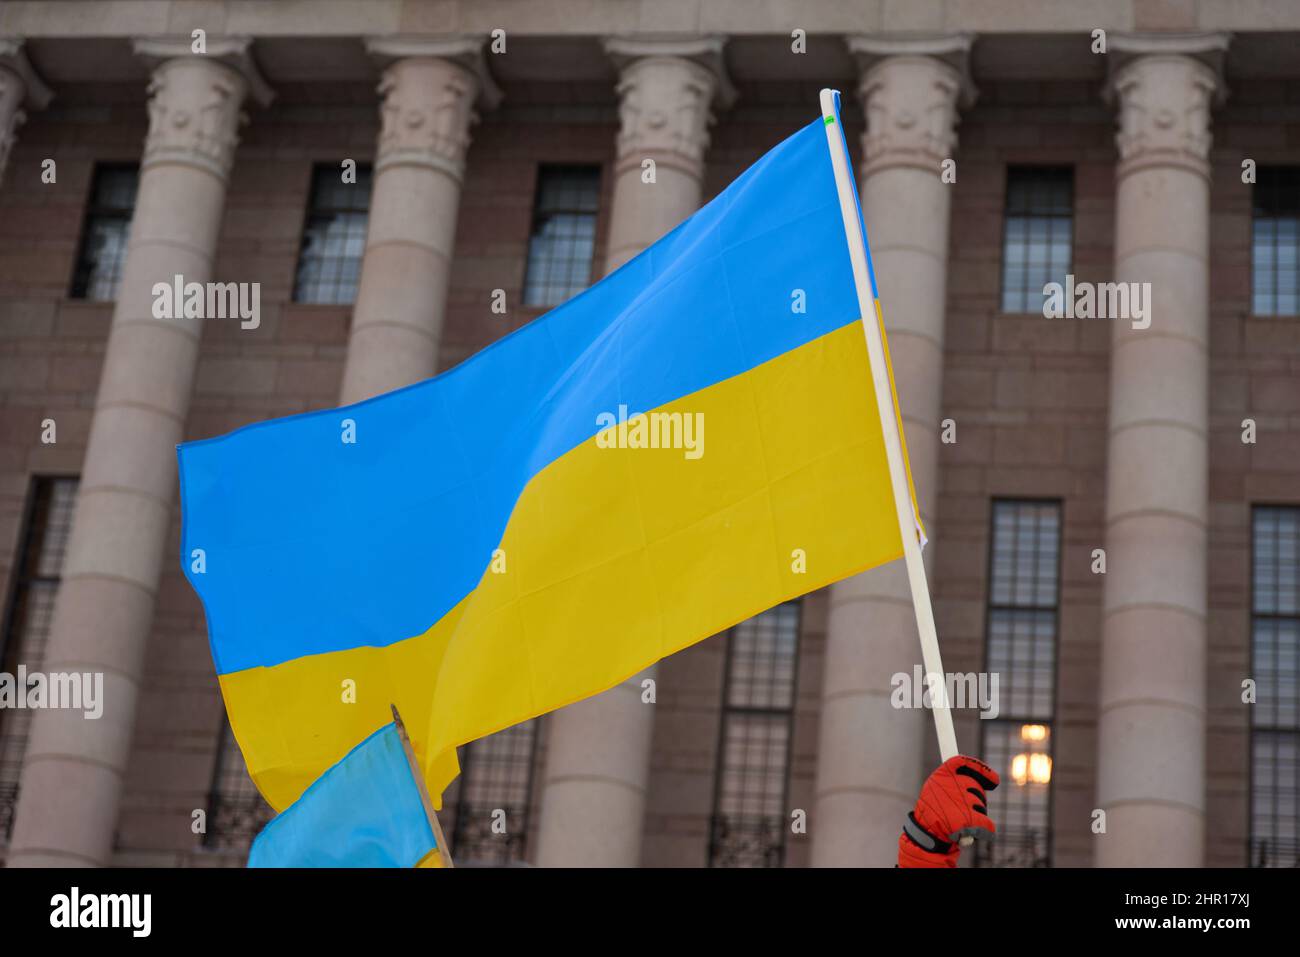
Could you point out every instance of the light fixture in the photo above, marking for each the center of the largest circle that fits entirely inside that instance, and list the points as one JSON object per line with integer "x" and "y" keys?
{"x": 1034, "y": 767}
{"x": 1033, "y": 732}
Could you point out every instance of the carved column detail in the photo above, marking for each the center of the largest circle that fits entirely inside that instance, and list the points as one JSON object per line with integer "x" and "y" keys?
{"x": 20, "y": 90}
{"x": 1164, "y": 113}
{"x": 426, "y": 115}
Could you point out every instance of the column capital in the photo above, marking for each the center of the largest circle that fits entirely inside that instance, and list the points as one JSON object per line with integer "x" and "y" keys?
{"x": 13, "y": 60}
{"x": 911, "y": 86}
{"x": 195, "y": 111}
{"x": 952, "y": 49}
{"x": 668, "y": 87}
{"x": 426, "y": 113}
{"x": 464, "y": 51}
{"x": 705, "y": 51}
{"x": 1208, "y": 48}
{"x": 21, "y": 89}
{"x": 1164, "y": 88}
{"x": 234, "y": 53}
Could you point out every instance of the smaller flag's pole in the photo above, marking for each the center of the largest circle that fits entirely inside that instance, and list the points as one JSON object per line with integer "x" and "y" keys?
{"x": 424, "y": 791}
{"x": 869, "y": 305}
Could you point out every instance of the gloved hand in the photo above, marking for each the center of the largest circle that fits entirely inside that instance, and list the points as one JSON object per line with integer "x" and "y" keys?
{"x": 952, "y": 803}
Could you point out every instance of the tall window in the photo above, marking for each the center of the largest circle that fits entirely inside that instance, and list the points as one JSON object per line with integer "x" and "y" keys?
{"x": 334, "y": 237}
{"x": 1275, "y": 243}
{"x": 563, "y": 242}
{"x": 1275, "y": 730}
{"x": 236, "y": 810}
{"x": 27, "y": 619}
{"x": 105, "y": 233}
{"x": 496, "y": 787}
{"x": 1037, "y": 240}
{"x": 749, "y": 807}
{"x": 1024, "y": 595}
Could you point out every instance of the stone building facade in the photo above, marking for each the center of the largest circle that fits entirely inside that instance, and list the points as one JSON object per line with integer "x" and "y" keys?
{"x": 997, "y": 148}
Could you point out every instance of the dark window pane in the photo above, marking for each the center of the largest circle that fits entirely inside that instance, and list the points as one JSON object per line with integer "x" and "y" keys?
{"x": 39, "y": 565}
{"x": 496, "y": 787}
{"x": 1037, "y": 241}
{"x": 334, "y": 237}
{"x": 1275, "y": 252}
{"x": 105, "y": 233}
{"x": 1275, "y": 716}
{"x": 563, "y": 242}
{"x": 749, "y": 814}
{"x": 1024, "y": 587}
{"x": 1021, "y": 806}
{"x": 236, "y": 810}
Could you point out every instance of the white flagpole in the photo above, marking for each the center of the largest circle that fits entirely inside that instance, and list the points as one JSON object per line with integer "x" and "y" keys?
{"x": 907, "y": 528}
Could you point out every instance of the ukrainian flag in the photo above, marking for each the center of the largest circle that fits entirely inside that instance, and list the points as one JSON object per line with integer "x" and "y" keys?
{"x": 485, "y": 546}
{"x": 366, "y": 811}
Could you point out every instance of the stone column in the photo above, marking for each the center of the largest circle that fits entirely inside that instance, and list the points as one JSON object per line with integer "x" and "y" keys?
{"x": 1151, "y": 714}
{"x": 72, "y": 775}
{"x": 429, "y": 90}
{"x": 20, "y": 88}
{"x": 598, "y": 753}
{"x": 870, "y": 754}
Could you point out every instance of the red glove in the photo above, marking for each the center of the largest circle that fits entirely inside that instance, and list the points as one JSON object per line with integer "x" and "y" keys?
{"x": 952, "y": 803}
